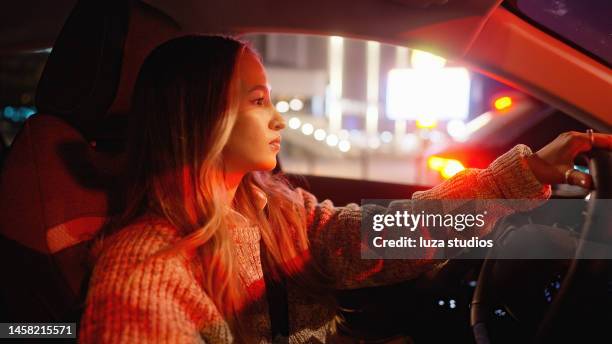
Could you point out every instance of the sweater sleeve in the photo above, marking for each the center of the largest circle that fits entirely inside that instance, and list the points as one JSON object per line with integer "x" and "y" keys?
{"x": 136, "y": 298}
{"x": 335, "y": 235}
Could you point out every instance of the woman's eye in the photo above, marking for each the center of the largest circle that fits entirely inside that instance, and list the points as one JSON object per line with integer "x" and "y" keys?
{"x": 259, "y": 101}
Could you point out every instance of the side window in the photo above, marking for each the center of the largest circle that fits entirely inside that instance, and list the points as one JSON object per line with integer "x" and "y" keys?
{"x": 365, "y": 110}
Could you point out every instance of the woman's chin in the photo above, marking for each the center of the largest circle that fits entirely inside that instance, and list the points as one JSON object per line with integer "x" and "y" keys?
{"x": 266, "y": 166}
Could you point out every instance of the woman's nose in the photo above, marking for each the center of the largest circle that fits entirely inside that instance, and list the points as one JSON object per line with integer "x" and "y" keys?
{"x": 278, "y": 121}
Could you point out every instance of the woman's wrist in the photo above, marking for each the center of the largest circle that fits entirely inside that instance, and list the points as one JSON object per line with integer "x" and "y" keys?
{"x": 541, "y": 170}
{"x": 516, "y": 178}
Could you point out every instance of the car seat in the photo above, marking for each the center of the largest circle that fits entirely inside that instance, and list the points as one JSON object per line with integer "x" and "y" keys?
{"x": 56, "y": 181}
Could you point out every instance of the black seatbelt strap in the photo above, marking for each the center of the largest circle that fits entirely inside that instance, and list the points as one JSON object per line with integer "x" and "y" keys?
{"x": 278, "y": 305}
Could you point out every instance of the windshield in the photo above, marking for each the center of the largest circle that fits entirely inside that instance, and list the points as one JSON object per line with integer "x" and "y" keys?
{"x": 585, "y": 24}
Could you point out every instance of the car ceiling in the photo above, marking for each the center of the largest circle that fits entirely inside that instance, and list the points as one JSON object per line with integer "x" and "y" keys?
{"x": 443, "y": 27}
{"x": 446, "y": 29}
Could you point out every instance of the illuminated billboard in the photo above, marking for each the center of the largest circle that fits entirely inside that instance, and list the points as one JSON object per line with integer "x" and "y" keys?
{"x": 436, "y": 93}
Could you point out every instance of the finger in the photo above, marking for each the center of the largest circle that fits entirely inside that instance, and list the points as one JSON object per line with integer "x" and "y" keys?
{"x": 580, "y": 179}
{"x": 603, "y": 141}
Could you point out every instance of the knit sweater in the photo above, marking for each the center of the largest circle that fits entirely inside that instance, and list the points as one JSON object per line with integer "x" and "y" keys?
{"x": 162, "y": 301}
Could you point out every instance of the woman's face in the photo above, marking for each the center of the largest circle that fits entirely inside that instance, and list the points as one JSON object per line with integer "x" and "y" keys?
{"x": 255, "y": 137}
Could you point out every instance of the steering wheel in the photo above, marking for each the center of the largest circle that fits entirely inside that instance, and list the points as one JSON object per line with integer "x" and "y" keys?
{"x": 585, "y": 281}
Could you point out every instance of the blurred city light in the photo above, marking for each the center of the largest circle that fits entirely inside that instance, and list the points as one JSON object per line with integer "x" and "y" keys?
{"x": 372, "y": 119}
{"x": 401, "y": 57}
{"x": 336, "y": 68}
{"x": 441, "y": 94}
{"x": 282, "y": 106}
{"x": 426, "y": 123}
{"x": 478, "y": 122}
{"x": 294, "y": 123}
{"x": 436, "y": 136}
{"x": 296, "y": 104}
{"x": 423, "y": 60}
{"x": 307, "y": 129}
{"x": 400, "y": 131}
{"x": 451, "y": 168}
{"x": 319, "y": 134}
{"x": 332, "y": 140}
{"x": 18, "y": 114}
{"x": 436, "y": 163}
{"x": 344, "y": 146}
{"x": 373, "y": 142}
{"x": 502, "y": 103}
{"x": 501, "y": 312}
{"x": 457, "y": 130}
{"x": 386, "y": 136}
{"x": 446, "y": 167}
{"x": 410, "y": 143}
{"x": 372, "y": 86}
{"x": 401, "y": 62}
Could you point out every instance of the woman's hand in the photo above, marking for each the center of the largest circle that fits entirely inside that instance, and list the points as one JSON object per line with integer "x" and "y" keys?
{"x": 550, "y": 163}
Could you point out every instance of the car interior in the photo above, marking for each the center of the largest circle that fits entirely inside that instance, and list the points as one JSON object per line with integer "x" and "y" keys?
{"x": 58, "y": 176}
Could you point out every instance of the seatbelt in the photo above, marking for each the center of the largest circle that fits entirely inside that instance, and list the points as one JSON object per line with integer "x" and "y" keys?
{"x": 278, "y": 305}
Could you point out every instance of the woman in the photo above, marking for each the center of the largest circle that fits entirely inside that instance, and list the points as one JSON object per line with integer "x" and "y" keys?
{"x": 183, "y": 264}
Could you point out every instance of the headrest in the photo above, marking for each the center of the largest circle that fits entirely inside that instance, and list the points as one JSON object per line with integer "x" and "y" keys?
{"x": 54, "y": 186}
{"x": 81, "y": 75}
{"x": 148, "y": 28}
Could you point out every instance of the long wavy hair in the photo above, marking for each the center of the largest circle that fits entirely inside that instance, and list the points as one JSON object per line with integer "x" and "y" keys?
{"x": 184, "y": 106}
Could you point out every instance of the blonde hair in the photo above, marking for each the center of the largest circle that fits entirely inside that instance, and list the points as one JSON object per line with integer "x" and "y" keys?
{"x": 184, "y": 108}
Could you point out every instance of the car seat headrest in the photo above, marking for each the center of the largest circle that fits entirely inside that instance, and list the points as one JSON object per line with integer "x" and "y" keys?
{"x": 80, "y": 77}
{"x": 148, "y": 28}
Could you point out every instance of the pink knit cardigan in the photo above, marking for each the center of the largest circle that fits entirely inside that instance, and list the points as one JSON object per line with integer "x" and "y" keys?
{"x": 161, "y": 301}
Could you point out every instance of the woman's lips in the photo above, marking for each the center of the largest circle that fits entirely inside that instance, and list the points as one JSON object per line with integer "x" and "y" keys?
{"x": 275, "y": 144}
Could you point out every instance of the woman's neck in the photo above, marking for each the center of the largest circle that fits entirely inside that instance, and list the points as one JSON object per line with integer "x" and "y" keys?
{"x": 232, "y": 181}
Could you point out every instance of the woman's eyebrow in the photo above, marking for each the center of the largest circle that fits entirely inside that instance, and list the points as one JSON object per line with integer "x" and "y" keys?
{"x": 265, "y": 88}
